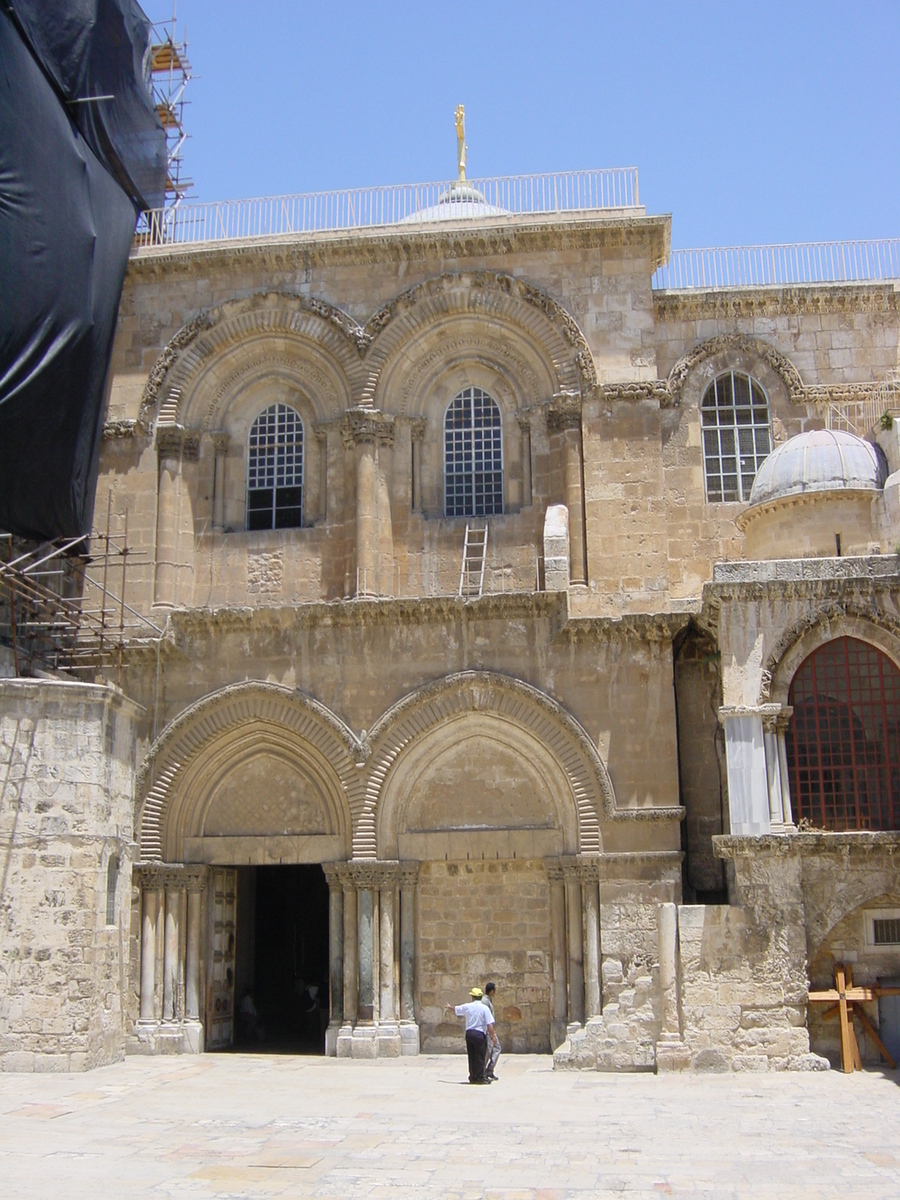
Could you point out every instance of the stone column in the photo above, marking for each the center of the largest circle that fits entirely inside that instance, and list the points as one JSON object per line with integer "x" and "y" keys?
{"x": 351, "y": 961}
{"x": 363, "y": 429}
{"x": 409, "y": 1029}
{"x": 525, "y": 429}
{"x": 149, "y": 916}
{"x": 787, "y": 812}
{"x": 168, "y": 446}
{"x": 564, "y": 419}
{"x": 417, "y": 434}
{"x": 558, "y": 997}
{"x": 775, "y": 726}
{"x": 173, "y": 891}
{"x": 575, "y": 946}
{"x": 335, "y": 956}
{"x": 750, "y": 782}
{"x": 388, "y": 1028}
{"x": 671, "y": 1052}
{"x": 322, "y": 443}
{"x": 220, "y": 445}
{"x": 195, "y": 882}
{"x": 591, "y": 900}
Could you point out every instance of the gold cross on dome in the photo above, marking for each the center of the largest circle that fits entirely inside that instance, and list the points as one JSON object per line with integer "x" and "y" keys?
{"x": 461, "y": 141}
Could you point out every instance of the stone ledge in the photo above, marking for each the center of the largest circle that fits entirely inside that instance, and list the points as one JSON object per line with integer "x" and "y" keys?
{"x": 813, "y": 842}
{"x": 796, "y": 570}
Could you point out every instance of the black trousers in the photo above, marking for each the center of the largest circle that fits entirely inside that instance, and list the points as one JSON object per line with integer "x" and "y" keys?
{"x": 476, "y": 1044}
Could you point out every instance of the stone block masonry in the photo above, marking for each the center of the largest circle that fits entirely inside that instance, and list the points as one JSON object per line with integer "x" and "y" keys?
{"x": 66, "y": 782}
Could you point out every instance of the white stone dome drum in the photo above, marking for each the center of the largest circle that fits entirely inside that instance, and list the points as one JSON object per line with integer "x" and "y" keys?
{"x": 823, "y": 460}
{"x": 813, "y": 497}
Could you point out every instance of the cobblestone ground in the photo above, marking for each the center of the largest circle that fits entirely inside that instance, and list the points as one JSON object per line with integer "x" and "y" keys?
{"x": 259, "y": 1126}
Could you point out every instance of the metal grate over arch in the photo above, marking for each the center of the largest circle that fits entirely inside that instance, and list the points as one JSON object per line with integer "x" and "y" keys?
{"x": 843, "y": 741}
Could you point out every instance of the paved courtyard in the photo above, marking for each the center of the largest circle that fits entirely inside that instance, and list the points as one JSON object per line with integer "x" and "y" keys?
{"x": 262, "y": 1125}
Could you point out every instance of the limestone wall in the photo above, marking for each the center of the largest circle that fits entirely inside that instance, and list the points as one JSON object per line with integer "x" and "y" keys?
{"x": 67, "y": 755}
{"x": 478, "y": 921}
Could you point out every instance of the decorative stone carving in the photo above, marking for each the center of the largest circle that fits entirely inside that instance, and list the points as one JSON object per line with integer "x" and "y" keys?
{"x": 564, "y": 412}
{"x": 736, "y": 343}
{"x": 362, "y": 425}
{"x": 160, "y": 369}
{"x": 174, "y": 441}
{"x": 752, "y": 302}
{"x": 113, "y": 430}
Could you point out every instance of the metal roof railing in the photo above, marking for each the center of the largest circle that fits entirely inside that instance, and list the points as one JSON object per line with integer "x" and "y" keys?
{"x": 780, "y": 265}
{"x": 362, "y": 208}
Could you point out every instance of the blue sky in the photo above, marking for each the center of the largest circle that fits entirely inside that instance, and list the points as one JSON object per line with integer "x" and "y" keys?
{"x": 749, "y": 122}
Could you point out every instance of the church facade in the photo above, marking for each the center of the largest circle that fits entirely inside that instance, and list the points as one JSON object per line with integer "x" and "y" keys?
{"x": 517, "y": 619}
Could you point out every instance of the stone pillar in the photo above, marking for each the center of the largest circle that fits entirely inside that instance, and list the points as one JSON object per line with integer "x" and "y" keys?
{"x": 748, "y": 769}
{"x": 195, "y": 882}
{"x": 671, "y": 1052}
{"x": 575, "y": 947}
{"x": 335, "y": 956}
{"x": 409, "y": 1029}
{"x": 149, "y": 916}
{"x": 775, "y": 726}
{"x": 168, "y": 445}
{"x": 417, "y": 434}
{"x": 364, "y": 429}
{"x": 591, "y": 901}
{"x": 365, "y": 904}
{"x": 351, "y": 964}
{"x": 564, "y": 419}
{"x": 388, "y": 1026}
{"x": 322, "y": 443}
{"x": 220, "y": 446}
{"x": 173, "y": 891}
{"x": 558, "y": 997}
{"x": 525, "y": 429}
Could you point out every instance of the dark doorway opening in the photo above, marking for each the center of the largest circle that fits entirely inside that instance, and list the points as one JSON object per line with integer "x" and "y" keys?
{"x": 281, "y": 959}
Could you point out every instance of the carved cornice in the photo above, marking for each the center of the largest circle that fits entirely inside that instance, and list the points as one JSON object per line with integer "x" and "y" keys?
{"x": 767, "y": 301}
{"x": 563, "y": 412}
{"x": 511, "y": 234}
{"x": 864, "y": 843}
{"x": 641, "y": 627}
{"x": 113, "y": 430}
{"x": 638, "y": 391}
{"x": 174, "y": 441}
{"x": 367, "y": 425}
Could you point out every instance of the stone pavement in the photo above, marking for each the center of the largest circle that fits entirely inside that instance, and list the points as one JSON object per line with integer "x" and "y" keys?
{"x": 264, "y": 1126}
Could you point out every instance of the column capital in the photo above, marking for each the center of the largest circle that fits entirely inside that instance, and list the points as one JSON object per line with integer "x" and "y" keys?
{"x": 369, "y": 873}
{"x": 765, "y": 712}
{"x": 174, "y": 442}
{"x": 409, "y": 874}
{"x": 564, "y": 412}
{"x": 583, "y": 867}
{"x": 417, "y": 429}
{"x": 367, "y": 426}
{"x": 221, "y": 439}
{"x": 169, "y": 876}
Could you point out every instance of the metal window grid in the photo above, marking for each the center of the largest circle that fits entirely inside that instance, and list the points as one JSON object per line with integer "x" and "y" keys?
{"x": 473, "y": 456}
{"x": 843, "y": 742}
{"x": 275, "y": 457}
{"x": 736, "y": 435}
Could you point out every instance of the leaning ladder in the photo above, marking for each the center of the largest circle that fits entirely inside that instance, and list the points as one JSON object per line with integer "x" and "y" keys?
{"x": 471, "y": 577}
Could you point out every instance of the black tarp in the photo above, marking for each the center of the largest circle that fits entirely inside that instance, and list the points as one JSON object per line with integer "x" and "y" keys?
{"x": 72, "y": 180}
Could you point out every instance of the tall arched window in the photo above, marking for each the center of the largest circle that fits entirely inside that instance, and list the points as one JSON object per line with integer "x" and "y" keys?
{"x": 734, "y": 413}
{"x": 275, "y": 469}
{"x": 473, "y": 456}
{"x": 843, "y": 742}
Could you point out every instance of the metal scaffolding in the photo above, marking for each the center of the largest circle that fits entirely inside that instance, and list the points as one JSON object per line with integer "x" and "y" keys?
{"x": 170, "y": 73}
{"x": 62, "y": 603}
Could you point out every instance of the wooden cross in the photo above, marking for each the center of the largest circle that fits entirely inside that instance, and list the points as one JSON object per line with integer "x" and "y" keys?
{"x": 849, "y": 1004}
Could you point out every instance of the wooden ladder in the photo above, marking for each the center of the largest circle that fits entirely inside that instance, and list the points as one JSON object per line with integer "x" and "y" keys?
{"x": 471, "y": 577}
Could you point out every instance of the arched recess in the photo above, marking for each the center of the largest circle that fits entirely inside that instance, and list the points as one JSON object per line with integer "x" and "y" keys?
{"x": 482, "y": 705}
{"x": 736, "y": 351}
{"x": 315, "y": 344}
{"x": 218, "y": 736}
{"x": 485, "y": 317}
{"x": 847, "y": 619}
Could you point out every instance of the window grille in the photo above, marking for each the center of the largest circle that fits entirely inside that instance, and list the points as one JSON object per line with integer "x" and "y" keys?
{"x": 886, "y": 931}
{"x": 473, "y": 456}
{"x": 734, "y": 414}
{"x": 112, "y": 875}
{"x": 843, "y": 741}
{"x": 275, "y": 469}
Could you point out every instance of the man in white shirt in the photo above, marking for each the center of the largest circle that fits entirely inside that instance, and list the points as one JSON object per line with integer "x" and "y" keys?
{"x": 479, "y": 1027}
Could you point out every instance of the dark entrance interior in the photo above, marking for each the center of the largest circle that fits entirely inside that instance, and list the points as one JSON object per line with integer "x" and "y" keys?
{"x": 281, "y": 959}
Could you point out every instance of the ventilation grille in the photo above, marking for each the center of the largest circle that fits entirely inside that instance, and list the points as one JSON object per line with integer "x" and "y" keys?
{"x": 886, "y": 931}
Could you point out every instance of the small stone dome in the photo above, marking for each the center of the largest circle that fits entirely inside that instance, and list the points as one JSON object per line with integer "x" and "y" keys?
{"x": 458, "y": 201}
{"x": 824, "y": 460}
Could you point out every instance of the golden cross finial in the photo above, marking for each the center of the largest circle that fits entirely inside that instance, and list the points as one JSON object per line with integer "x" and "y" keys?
{"x": 461, "y": 141}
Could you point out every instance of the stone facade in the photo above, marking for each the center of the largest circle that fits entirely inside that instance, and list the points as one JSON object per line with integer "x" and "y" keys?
{"x": 571, "y": 781}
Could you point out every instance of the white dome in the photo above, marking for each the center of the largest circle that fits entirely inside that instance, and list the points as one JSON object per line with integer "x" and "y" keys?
{"x": 824, "y": 460}
{"x": 459, "y": 201}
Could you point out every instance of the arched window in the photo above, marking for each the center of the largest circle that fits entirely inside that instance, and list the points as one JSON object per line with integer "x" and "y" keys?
{"x": 275, "y": 469}
{"x": 112, "y": 875}
{"x": 473, "y": 456}
{"x": 734, "y": 413}
{"x": 843, "y": 742}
